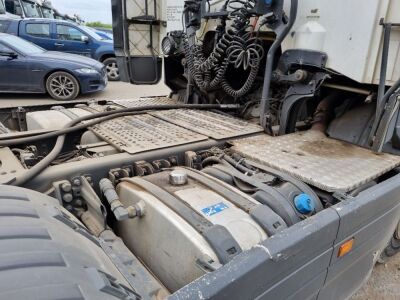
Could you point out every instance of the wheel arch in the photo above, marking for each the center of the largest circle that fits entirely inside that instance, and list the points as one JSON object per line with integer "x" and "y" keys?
{"x": 106, "y": 56}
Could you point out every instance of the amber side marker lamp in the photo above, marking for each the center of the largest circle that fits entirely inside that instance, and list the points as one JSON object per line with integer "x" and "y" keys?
{"x": 345, "y": 248}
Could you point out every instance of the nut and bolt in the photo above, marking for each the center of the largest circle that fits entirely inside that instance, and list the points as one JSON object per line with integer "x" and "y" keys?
{"x": 67, "y": 197}
{"x": 66, "y": 187}
{"x": 76, "y": 182}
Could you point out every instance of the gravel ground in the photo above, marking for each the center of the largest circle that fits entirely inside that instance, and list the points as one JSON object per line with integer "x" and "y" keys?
{"x": 385, "y": 280}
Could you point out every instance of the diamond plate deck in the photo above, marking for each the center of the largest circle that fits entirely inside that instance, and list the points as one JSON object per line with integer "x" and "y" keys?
{"x": 211, "y": 124}
{"x": 140, "y": 102}
{"x": 139, "y": 133}
{"x": 328, "y": 164}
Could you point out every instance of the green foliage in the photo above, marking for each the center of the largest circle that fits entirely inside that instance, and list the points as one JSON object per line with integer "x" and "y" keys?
{"x": 99, "y": 25}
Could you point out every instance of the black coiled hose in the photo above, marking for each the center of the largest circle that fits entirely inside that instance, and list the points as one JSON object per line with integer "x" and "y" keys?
{"x": 236, "y": 47}
{"x": 244, "y": 51}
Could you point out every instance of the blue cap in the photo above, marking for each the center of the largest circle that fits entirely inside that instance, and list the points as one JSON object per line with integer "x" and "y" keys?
{"x": 304, "y": 204}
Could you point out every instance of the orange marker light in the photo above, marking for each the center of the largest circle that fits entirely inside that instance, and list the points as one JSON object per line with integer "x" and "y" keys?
{"x": 346, "y": 248}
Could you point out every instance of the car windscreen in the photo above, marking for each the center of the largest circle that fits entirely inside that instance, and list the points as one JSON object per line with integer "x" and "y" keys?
{"x": 91, "y": 32}
{"x": 31, "y": 9}
{"x": 47, "y": 13}
{"x": 21, "y": 45}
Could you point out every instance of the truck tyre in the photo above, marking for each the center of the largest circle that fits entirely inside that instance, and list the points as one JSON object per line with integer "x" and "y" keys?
{"x": 112, "y": 69}
{"x": 60, "y": 258}
{"x": 62, "y": 86}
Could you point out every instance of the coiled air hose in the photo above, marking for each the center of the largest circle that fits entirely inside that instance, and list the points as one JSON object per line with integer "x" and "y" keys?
{"x": 236, "y": 47}
{"x": 98, "y": 118}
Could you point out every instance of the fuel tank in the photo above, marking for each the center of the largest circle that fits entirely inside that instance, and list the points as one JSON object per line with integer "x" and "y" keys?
{"x": 191, "y": 225}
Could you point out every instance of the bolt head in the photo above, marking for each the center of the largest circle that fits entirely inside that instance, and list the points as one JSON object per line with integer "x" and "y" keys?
{"x": 68, "y": 197}
{"x": 66, "y": 187}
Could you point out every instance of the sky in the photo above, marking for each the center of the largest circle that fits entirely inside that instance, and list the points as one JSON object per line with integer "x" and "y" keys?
{"x": 89, "y": 10}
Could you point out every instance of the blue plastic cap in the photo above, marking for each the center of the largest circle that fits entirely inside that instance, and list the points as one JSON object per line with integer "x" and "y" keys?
{"x": 268, "y": 2}
{"x": 304, "y": 204}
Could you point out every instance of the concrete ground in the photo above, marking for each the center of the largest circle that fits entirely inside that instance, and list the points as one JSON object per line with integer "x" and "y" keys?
{"x": 384, "y": 283}
{"x": 114, "y": 90}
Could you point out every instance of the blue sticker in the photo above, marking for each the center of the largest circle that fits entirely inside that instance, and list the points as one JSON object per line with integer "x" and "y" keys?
{"x": 214, "y": 209}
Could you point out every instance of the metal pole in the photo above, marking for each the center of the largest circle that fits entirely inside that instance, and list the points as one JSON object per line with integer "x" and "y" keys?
{"x": 387, "y": 29}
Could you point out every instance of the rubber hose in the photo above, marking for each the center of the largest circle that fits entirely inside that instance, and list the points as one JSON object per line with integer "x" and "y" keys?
{"x": 265, "y": 105}
{"x": 40, "y": 166}
{"x": 238, "y": 166}
{"x": 381, "y": 109}
{"x": 390, "y": 91}
{"x": 45, "y": 162}
{"x": 212, "y": 160}
{"x": 386, "y": 97}
{"x": 107, "y": 116}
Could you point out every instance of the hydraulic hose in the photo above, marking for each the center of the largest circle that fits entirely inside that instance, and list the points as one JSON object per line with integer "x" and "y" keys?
{"x": 390, "y": 91}
{"x": 108, "y": 115}
{"x": 40, "y": 166}
{"x": 381, "y": 110}
{"x": 45, "y": 162}
{"x": 265, "y": 102}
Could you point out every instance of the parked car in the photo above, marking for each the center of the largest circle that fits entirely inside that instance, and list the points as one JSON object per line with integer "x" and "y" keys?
{"x": 64, "y": 36}
{"x": 104, "y": 34}
{"x": 26, "y": 67}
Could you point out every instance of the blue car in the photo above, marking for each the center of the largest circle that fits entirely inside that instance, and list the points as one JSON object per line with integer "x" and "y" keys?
{"x": 28, "y": 68}
{"x": 64, "y": 36}
{"x": 105, "y": 35}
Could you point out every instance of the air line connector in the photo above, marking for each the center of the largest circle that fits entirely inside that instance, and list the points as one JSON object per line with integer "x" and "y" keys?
{"x": 120, "y": 212}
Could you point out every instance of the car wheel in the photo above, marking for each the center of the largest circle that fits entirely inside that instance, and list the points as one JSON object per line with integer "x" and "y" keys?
{"x": 112, "y": 69}
{"x": 62, "y": 86}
